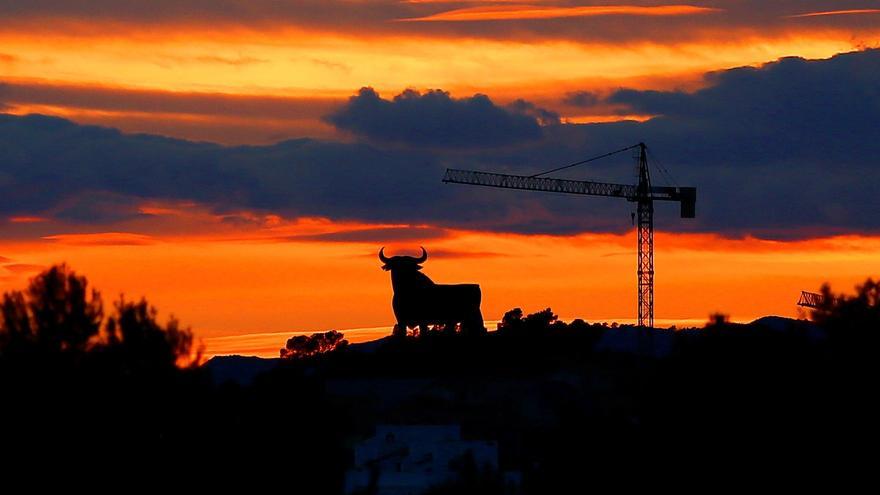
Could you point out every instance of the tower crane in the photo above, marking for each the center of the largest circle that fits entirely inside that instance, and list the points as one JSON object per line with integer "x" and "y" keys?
{"x": 642, "y": 193}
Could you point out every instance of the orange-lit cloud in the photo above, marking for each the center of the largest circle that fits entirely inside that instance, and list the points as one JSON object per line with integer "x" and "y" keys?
{"x": 22, "y": 268}
{"x": 27, "y": 219}
{"x": 392, "y": 64}
{"x": 174, "y": 85}
{"x": 512, "y": 12}
{"x": 837, "y": 12}
{"x": 102, "y": 239}
{"x": 203, "y": 116}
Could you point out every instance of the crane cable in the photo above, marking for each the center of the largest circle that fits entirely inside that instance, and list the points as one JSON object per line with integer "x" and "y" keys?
{"x": 659, "y": 164}
{"x": 585, "y": 161}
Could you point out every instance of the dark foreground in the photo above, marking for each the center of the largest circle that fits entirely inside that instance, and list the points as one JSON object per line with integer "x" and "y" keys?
{"x": 572, "y": 407}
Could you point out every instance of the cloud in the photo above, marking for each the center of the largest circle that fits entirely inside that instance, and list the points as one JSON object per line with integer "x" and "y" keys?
{"x": 456, "y": 254}
{"x": 434, "y": 118}
{"x": 542, "y": 115}
{"x": 837, "y": 12}
{"x": 783, "y": 150}
{"x": 215, "y": 59}
{"x": 231, "y": 118}
{"x": 383, "y": 234}
{"x": 97, "y": 207}
{"x": 55, "y": 167}
{"x": 23, "y": 268}
{"x": 522, "y": 20}
{"x": 793, "y": 96}
{"x": 103, "y": 239}
{"x": 27, "y": 219}
{"x": 784, "y": 144}
{"x": 517, "y": 12}
{"x": 106, "y": 98}
{"x": 581, "y": 99}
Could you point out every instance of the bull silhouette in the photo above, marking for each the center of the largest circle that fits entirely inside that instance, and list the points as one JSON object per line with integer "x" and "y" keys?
{"x": 419, "y": 302}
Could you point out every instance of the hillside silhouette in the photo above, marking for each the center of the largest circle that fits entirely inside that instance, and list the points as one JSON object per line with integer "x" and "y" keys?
{"x": 566, "y": 404}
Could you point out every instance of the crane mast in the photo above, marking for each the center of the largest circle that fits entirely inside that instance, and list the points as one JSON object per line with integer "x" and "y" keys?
{"x": 645, "y": 214}
{"x": 643, "y": 194}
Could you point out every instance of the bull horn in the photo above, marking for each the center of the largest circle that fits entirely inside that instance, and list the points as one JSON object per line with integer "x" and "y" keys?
{"x": 382, "y": 257}
{"x": 424, "y": 256}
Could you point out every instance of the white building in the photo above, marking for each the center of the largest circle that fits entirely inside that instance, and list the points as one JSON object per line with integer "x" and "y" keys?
{"x": 407, "y": 460}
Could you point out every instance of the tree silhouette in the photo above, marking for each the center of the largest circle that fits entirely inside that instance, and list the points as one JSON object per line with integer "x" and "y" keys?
{"x": 859, "y": 311}
{"x": 76, "y": 377}
{"x": 851, "y": 321}
{"x": 56, "y": 314}
{"x": 541, "y": 321}
{"x": 718, "y": 320}
{"x": 303, "y": 346}
{"x": 136, "y": 337}
{"x": 513, "y": 322}
{"x": 58, "y": 319}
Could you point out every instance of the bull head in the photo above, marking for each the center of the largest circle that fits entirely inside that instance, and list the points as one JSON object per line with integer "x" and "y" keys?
{"x": 402, "y": 262}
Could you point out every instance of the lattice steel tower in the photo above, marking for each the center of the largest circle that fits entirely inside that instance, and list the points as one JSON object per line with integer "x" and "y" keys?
{"x": 645, "y": 214}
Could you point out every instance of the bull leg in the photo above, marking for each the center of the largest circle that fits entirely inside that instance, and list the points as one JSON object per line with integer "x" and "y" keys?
{"x": 399, "y": 330}
{"x": 473, "y": 324}
{"x": 449, "y": 328}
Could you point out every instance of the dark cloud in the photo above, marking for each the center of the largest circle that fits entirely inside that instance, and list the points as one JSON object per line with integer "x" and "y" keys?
{"x": 843, "y": 90}
{"x": 778, "y": 146}
{"x": 52, "y": 165}
{"x": 581, "y": 99}
{"x": 434, "y": 118}
{"x": 97, "y": 207}
{"x": 783, "y": 150}
{"x": 542, "y": 115}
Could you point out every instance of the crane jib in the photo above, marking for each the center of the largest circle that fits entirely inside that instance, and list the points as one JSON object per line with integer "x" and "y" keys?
{"x": 685, "y": 195}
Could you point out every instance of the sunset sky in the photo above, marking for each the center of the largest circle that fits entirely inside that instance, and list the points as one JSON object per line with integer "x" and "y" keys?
{"x": 240, "y": 163}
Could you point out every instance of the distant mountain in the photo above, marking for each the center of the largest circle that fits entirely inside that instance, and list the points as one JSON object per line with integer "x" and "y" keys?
{"x": 241, "y": 370}
{"x": 633, "y": 340}
{"x": 777, "y": 322}
{"x": 783, "y": 324}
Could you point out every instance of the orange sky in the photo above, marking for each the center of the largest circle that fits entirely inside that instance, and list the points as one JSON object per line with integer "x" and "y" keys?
{"x": 273, "y": 70}
{"x": 263, "y": 282}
